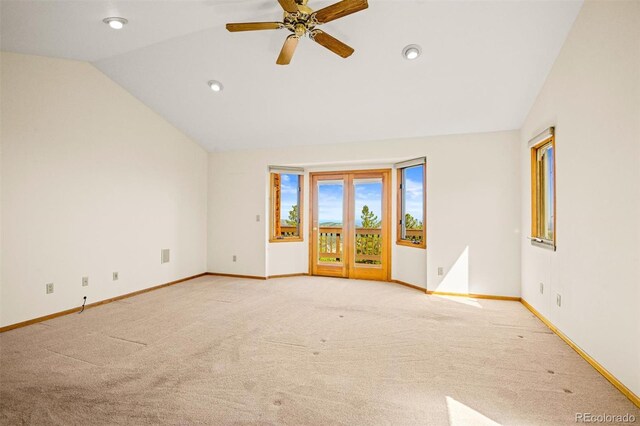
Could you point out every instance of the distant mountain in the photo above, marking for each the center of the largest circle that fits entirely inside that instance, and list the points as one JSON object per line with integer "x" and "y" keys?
{"x": 323, "y": 224}
{"x": 338, "y": 224}
{"x": 334, "y": 224}
{"x": 331, "y": 224}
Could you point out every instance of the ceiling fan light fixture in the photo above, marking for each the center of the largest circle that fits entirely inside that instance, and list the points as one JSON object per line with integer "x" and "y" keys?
{"x": 215, "y": 86}
{"x": 411, "y": 52}
{"x": 115, "y": 22}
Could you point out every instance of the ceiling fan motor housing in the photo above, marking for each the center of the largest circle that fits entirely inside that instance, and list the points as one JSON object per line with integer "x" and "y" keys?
{"x": 299, "y": 23}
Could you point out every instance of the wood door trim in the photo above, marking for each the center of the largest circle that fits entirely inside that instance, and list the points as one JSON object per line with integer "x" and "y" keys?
{"x": 349, "y": 228}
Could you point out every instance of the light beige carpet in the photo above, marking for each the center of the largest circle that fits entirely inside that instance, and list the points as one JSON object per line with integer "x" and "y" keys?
{"x": 297, "y": 351}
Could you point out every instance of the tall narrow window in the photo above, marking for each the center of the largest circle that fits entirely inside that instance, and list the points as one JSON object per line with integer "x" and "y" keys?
{"x": 543, "y": 192}
{"x": 412, "y": 203}
{"x": 286, "y": 207}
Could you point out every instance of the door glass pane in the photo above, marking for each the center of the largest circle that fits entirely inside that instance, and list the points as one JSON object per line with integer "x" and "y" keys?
{"x": 368, "y": 220}
{"x": 330, "y": 218}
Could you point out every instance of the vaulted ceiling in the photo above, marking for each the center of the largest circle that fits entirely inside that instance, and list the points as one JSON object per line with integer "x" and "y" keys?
{"x": 482, "y": 65}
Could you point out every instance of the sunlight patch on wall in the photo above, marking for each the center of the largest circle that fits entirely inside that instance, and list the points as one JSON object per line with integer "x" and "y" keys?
{"x": 456, "y": 279}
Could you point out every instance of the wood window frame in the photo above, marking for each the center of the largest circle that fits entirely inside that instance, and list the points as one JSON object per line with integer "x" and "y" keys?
{"x": 536, "y": 233}
{"x": 274, "y": 209}
{"x": 399, "y": 240}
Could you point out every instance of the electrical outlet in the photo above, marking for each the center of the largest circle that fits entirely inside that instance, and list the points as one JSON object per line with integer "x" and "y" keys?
{"x": 85, "y": 281}
{"x": 235, "y": 258}
{"x": 541, "y": 288}
{"x": 165, "y": 255}
{"x": 115, "y": 276}
{"x": 558, "y": 300}
{"x": 257, "y": 218}
{"x": 440, "y": 271}
{"x": 49, "y": 288}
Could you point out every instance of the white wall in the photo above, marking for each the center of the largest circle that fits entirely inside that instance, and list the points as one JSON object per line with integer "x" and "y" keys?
{"x": 472, "y": 202}
{"x": 92, "y": 182}
{"x": 592, "y": 96}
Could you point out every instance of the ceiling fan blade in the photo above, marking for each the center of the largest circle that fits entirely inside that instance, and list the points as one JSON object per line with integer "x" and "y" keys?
{"x": 331, "y": 43}
{"x": 340, "y": 9}
{"x": 288, "y": 50}
{"x": 289, "y": 5}
{"x": 254, "y": 26}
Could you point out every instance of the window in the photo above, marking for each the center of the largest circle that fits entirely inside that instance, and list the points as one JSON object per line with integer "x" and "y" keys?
{"x": 412, "y": 203}
{"x": 543, "y": 191}
{"x": 286, "y": 207}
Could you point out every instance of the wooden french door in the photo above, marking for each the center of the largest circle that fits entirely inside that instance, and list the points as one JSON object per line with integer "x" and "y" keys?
{"x": 351, "y": 224}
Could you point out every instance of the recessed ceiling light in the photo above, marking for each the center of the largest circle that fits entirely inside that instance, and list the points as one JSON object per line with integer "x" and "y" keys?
{"x": 115, "y": 23}
{"x": 216, "y": 86}
{"x": 411, "y": 52}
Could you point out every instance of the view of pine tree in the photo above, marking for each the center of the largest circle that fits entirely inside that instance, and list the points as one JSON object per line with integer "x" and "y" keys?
{"x": 293, "y": 217}
{"x": 411, "y": 222}
{"x": 369, "y": 219}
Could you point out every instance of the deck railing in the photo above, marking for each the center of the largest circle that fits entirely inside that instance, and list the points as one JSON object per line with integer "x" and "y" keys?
{"x": 368, "y": 243}
{"x": 330, "y": 243}
{"x": 288, "y": 231}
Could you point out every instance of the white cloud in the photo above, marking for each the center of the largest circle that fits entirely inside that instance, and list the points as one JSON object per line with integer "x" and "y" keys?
{"x": 413, "y": 188}
{"x": 288, "y": 190}
{"x": 288, "y": 185}
{"x": 330, "y": 201}
{"x": 368, "y": 194}
{"x": 414, "y": 198}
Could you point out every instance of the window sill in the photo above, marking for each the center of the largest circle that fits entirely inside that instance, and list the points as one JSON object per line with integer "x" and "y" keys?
{"x": 410, "y": 244}
{"x": 286, "y": 240}
{"x": 545, "y": 244}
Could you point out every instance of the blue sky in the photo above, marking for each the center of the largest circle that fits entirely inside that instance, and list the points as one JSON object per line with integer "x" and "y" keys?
{"x": 330, "y": 200}
{"x": 330, "y": 197}
{"x": 368, "y": 194}
{"x": 288, "y": 194}
{"x": 414, "y": 197}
